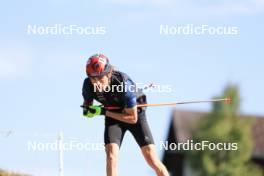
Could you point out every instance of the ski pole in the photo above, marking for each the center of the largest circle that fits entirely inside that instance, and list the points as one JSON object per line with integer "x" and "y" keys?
{"x": 226, "y": 100}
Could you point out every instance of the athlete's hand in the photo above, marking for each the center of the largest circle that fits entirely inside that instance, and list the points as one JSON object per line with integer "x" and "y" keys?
{"x": 93, "y": 110}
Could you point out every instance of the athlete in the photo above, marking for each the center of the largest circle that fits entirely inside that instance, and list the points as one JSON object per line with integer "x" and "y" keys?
{"x": 113, "y": 88}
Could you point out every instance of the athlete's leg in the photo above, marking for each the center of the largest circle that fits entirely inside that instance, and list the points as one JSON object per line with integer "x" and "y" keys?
{"x": 153, "y": 160}
{"x": 112, "y": 150}
{"x": 143, "y": 136}
{"x": 113, "y": 136}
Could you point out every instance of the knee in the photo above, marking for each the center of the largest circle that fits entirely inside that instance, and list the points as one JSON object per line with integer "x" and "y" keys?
{"x": 112, "y": 154}
{"x": 151, "y": 157}
{"x": 111, "y": 157}
{"x": 152, "y": 160}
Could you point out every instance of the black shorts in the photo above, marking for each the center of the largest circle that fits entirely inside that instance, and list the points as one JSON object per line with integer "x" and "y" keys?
{"x": 115, "y": 131}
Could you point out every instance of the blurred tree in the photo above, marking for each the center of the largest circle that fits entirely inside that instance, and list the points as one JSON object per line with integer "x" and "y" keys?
{"x": 5, "y": 173}
{"x": 223, "y": 125}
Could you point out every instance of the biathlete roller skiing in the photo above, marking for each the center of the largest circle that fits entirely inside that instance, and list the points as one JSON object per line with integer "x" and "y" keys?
{"x": 124, "y": 110}
{"x": 126, "y": 117}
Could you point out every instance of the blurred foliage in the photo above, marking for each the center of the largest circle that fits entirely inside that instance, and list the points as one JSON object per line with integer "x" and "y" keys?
{"x": 222, "y": 125}
{"x": 5, "y": 173}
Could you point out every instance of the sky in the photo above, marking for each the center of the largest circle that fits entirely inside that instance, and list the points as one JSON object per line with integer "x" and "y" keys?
{"x": 41, "y": 76}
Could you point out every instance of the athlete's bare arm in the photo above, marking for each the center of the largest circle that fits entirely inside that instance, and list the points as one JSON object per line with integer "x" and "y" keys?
{"x": 129, "y": 115}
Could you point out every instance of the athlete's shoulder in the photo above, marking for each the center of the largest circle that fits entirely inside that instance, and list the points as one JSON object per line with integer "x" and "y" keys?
{"x": 87, "y": 80}
{"x": 125, "y": 74}
{"x": 87, "y": 90}
{"x": 87, "y": 84}
{"x": 122, "y": 75}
